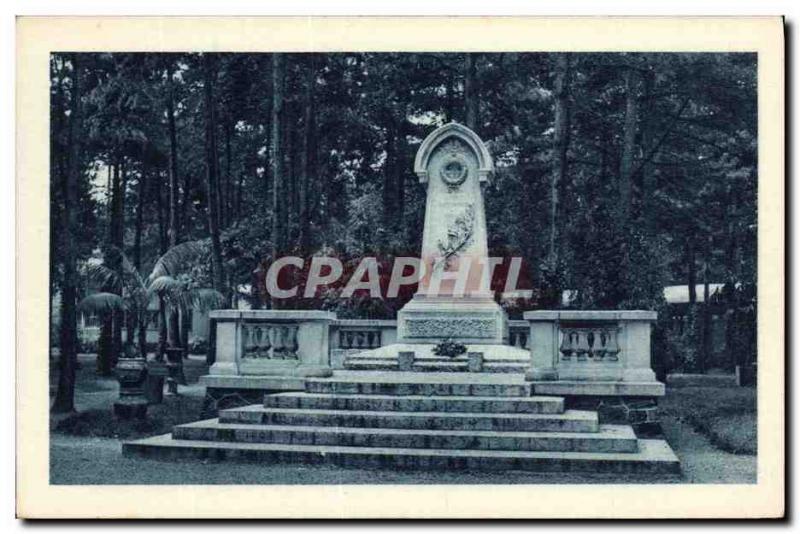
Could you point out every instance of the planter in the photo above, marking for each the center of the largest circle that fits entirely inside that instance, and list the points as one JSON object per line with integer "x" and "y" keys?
{"x": 131, "y": 374}
{"x": 475, "y": 362}
{"x": 405, "y": 361}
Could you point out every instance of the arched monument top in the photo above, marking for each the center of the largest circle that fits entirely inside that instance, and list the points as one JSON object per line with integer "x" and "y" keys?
{"x": 448, "y": 131}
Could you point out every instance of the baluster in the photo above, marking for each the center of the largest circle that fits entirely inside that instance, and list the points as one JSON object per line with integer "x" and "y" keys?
{"x": 566, "y": 348}
{"x": 294, "y": 344}
{"x": 582, "y": 344}
{"x": 612, "y": 349}
{"x": 267, "y": 341}
{"x": 278, "y": 343}
{"x": 248, "y": 341}
{"x": 601, "y": 335}
{"x": 257, "y": 333}
{"x": 591, "y": 342}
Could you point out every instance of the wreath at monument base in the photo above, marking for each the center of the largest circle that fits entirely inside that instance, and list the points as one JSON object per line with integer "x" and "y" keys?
{"x": 449, "y": 349}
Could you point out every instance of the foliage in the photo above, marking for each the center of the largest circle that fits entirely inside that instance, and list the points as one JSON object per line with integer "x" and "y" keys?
{"x": 353, "y": 123}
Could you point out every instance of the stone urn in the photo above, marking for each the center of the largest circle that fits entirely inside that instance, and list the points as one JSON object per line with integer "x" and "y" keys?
{"x": 475, "y": 362}
{"x": 131, "y": 374}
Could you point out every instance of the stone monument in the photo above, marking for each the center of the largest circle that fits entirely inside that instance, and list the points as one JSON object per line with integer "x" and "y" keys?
{"x": 453, "y": 300}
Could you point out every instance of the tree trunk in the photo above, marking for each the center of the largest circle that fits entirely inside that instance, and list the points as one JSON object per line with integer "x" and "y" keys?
{"x": 705, "y": 349}
{"x": 212, "y": 176}
{"x": 399, "y": 178}
{"x": 450, "y": 101}
{"x": 117, "y": 240}
{"x": 110, "y": 342}
{"x": 226, "y": 203}
{"x": 648, "y": 176}
{"x": 628, "y": 145}
{"x": 691, "y": 270}
{"x": 65, "y": 393}
{"x": 162, "y": 329}
{"x": 162, "y": 219}
{"x": 307, "y": 159}
{"x": 388, "y": 177}
{"x": 173, "y": 231}
{"x": 561, "y": 139}
{"x": 137, "y": 240}
{"x": 174, "y": 189}
{"x": 278, "y": 188}
{"x": 186, "y": 325}
{"x": 288, "y": 206}
{"x": 471, "y": 97}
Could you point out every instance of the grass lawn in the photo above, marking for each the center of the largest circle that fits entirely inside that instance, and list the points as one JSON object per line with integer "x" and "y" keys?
{"x": 85, "y": 448}
{"x": 726, "y": 416}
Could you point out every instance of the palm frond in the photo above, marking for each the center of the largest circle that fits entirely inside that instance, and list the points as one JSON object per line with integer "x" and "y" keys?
{"x": 175, "y": 259}
{"x": 132, "y": 275}
{"x": 102, "y": 303}
{"x": 165, "y": 286}
{"x": 205, "y": 298}
{"x": 102, "y": 276}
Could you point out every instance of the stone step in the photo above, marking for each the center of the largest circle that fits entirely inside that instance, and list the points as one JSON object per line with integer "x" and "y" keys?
{"x": 610, "y": 438}
{"x": 360, "y": 357}
{"x": 425, "y": 384}
{"x": 415, "y": 403}
{"x": 653, "y": 457}
{"x": 385, "y": 364}
{"x": 569, "y": 421}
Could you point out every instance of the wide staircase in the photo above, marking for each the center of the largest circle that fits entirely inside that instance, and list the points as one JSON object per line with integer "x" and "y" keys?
{"x": 426, "y": 421}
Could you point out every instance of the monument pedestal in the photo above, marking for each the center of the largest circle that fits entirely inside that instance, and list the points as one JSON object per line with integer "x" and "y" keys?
{"x": 467, "y": 320}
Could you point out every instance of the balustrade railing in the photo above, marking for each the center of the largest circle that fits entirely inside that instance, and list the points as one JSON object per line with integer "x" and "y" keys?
{"x": 597, "y": 343}
{"x": 359, "y": 339}
{"x": 269, "y": 341}
{"x": 518, "y": 334}
{"x": 591, "y": 345}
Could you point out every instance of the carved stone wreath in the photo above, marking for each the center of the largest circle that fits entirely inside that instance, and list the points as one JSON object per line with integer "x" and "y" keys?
{"x": 454, "y": 168}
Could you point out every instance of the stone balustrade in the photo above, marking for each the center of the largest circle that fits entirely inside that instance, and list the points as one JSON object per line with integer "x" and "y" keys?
{"x": 354, "y": 335}
{"x": 271, "y": 343}
{"x": 582, "y": 345}
{"x": 518, "y": 334}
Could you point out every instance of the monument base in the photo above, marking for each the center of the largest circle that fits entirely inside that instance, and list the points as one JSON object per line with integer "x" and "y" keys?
{"x": 468, "y": 320}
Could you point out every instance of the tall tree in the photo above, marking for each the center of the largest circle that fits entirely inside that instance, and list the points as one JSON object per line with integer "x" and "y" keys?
{"x": 471, "y": 92}
{"x": 65, "y": 393}
{"x": 212, "y": 176}
{"x": 630, "y": 130}
{"x": 278, "y": 185}
{"x": 307, "y": 157}
{"x": 173, "y": 230}
{"x": 561, "y": 139}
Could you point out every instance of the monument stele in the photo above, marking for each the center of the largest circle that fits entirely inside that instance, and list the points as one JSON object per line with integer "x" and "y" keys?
{"x": 453, "y": 299}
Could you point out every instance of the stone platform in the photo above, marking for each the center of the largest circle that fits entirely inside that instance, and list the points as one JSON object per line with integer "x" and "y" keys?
{"x": 496, "y": 358}
{"x": 446, "y": 420}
